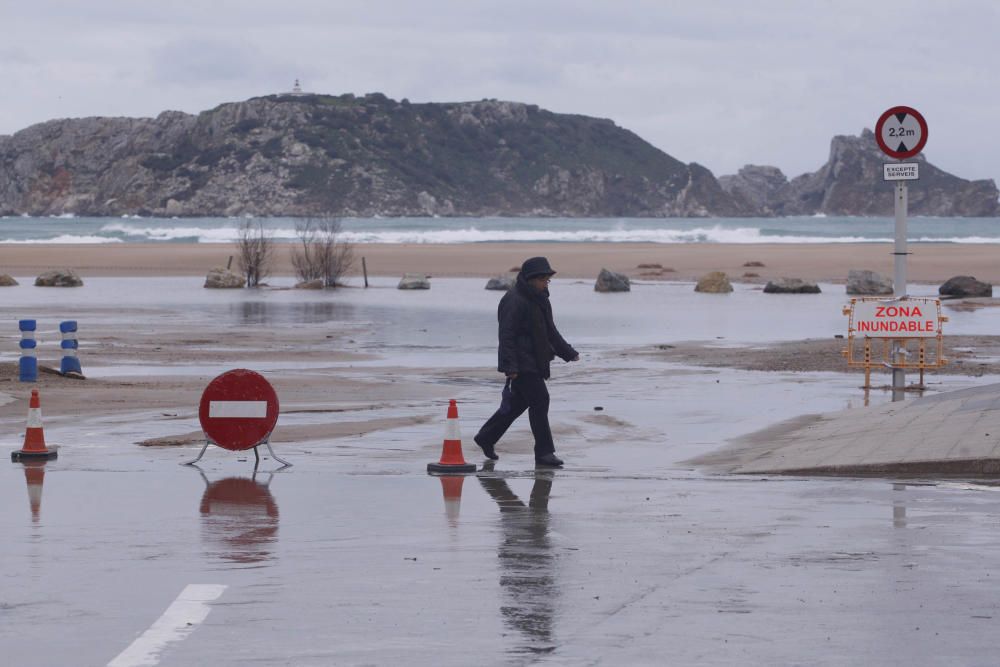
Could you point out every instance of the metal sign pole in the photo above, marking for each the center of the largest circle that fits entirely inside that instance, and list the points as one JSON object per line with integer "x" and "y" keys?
{"x": 899, "y": 285}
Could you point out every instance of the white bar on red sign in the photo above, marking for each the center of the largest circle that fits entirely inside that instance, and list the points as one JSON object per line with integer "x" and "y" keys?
{"x": 237, "y": 409}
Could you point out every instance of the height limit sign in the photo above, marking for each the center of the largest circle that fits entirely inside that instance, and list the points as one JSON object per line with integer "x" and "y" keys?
{"x": 901, "y": 132}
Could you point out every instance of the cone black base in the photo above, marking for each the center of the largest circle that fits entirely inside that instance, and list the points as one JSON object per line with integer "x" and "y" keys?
{"x": 35, "y": 456}
{"x": 447, "y": 469}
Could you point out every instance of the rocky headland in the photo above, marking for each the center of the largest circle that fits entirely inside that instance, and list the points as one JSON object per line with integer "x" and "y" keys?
{"x": 350, "y": 156}
{"x": 306, "y": 155}
{"x": 850, "y": 183}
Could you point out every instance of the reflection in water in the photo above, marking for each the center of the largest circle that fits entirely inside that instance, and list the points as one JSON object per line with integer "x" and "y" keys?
{"x": 265, "y": 313}
{"x": 527, "y": 565}
{"x": 899, "y": 508}
{"x": 34, "y": 477}
{"x": 451, "y": 489}
{"x": 239, "y": 519}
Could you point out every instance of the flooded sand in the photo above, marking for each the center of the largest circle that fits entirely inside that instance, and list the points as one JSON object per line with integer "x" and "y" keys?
{"x": 356, "y": 556}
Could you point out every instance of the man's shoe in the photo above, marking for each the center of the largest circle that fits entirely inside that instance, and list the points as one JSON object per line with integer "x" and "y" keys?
{"x": 488, "y": 451}
{"x": 549, "y": 460}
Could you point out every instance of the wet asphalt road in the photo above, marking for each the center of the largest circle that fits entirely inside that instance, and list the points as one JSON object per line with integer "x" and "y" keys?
{"x": 563, "y": 567}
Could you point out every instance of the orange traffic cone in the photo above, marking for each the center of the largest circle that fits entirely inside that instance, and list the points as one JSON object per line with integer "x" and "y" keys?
{"x": 34, "y": 477}
{"x": 452, "y": 460}
{"x": 34, "y": 437}
{"x": 451, "y": 487}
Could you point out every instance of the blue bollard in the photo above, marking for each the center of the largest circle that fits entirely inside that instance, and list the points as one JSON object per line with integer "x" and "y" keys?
{"x": 70, "y": 362}
{"x": 28, "y": 365}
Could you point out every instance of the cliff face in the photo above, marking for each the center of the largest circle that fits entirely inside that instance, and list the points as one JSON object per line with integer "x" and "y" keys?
{"x": 757, "y": 187}
{"x": 850, "y": 183}
{"x": 313, "y": 154}
{"x": 365, "y": 156}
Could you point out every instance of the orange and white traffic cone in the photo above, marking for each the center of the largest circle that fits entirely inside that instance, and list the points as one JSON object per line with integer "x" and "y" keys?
{"x": 34, "y": 438}
{"x": 452, "y": 460}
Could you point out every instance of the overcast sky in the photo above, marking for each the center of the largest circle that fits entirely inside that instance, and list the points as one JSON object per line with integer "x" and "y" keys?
{"x": 722, "y": 83}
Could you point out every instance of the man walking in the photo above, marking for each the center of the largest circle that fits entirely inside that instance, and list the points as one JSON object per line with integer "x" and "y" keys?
{"x": 529, "y": 341}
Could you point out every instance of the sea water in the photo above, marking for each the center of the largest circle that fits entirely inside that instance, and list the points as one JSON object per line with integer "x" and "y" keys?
{"x": 832, "y": 229}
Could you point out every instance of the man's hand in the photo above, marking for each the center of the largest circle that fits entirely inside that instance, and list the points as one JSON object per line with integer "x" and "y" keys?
{"x": 512, "y": 376}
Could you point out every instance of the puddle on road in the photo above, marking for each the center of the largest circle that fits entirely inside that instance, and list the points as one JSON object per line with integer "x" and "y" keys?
{"x": 239, "y": 521}
{"x": 546, "y": 561}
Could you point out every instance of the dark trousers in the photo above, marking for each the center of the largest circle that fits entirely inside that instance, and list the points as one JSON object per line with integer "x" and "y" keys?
{"x": 528, "y": 392}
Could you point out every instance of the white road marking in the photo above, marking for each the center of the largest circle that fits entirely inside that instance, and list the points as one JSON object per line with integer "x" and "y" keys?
{"x": 187, "y": 611}
{"x": 235, "y": 409}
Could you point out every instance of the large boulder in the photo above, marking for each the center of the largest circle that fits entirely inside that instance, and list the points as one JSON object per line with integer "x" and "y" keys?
{"x": 414, "y": 281}
{"x": 609, "y": 281}
{"x": 7, "y": 280}
{"x": 59, "y": 278}
{"x": 219, "y": 278}
{"x": 317, "y": 283}
{"x": 715, "y": 282}
{"x": 965, "y": 286}
{"x": 790, "y": 286}
{"x": 868, "y": 283}
{"x": 502, "y": 283}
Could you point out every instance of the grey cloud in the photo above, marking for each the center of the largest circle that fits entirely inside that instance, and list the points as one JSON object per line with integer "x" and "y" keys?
{"x": 203, "y": 61}
{"x": 16, "y": 57}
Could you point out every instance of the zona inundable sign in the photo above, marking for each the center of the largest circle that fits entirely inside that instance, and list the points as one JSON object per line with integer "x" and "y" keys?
{"x": 896, "y": 318}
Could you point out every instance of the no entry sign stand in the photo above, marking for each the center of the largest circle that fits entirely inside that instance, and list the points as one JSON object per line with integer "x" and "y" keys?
{"x": 238, "y": 411}
{"x": 901, "y": 133}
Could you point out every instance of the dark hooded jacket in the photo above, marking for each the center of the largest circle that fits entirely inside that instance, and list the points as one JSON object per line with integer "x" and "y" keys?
{"x": 529, "y": 340}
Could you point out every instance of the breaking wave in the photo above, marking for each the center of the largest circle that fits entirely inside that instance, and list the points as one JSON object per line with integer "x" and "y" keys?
{"x": 511, "y": 230}
{"x": 182, "y": 234}
{"x": 696, "y": 235}
{"x": 67, "y": 239}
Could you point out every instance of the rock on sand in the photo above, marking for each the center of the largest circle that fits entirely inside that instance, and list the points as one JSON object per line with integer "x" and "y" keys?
{"x": 790, "y": 286}
{"x": 868, "y": 283}
{"x": 965, "y": 286}
{"x": 715, "y": 282}
{"x": 220, "y": 278}
{"x": 609, "y": 281}
{"x": 413, "y": 281}
{"x": 59, "y": 278}
{"x": 502, "y": 283}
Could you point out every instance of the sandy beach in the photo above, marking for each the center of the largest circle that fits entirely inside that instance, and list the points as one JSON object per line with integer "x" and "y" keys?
{"x": 928, "y": 263}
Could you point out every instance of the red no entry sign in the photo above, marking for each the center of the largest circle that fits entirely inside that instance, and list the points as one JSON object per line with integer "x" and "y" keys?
{"x": 238, "y": 410}
{"x": 901, "y": 132}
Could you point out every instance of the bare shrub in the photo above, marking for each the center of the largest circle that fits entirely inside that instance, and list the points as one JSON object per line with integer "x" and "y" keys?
{"x": 320, "y": 253}
{"x": 254, "y": 250}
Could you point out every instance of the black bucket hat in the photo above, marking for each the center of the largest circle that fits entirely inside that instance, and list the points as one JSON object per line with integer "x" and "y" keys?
{"x": 536, "y": 266}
